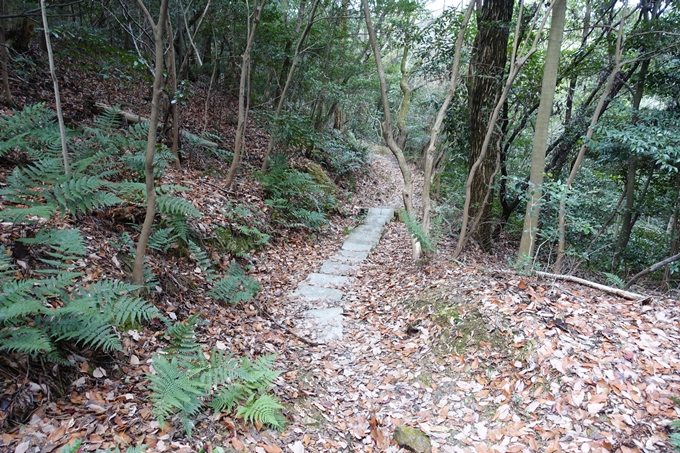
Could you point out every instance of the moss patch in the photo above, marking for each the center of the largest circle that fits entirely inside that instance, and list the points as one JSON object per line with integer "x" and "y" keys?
{"x": 463, "y": 327}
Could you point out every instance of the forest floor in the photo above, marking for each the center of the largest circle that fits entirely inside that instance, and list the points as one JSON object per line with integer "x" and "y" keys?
{"x": 476, "y": 356}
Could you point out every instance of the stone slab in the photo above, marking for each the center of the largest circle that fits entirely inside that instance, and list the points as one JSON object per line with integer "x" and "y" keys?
{"x": 326, "y": 279}
{"x": 326, "y": 323}
{"x": 349, "y": 256}
{"x": 352, "y": 246}
{"x": 318, "y": 293}
{"x": 381, "y": 210}
{"x": 367, "y": 239}
{"x": 335, "y": 268}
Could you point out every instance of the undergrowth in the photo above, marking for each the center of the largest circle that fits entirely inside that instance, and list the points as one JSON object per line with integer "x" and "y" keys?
{"x": 185, "y": 380}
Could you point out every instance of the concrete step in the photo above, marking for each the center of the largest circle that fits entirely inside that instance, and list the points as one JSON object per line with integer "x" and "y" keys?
{"x": 326, "y": 279}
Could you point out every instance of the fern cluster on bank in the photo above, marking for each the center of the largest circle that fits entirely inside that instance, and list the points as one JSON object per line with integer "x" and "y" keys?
{"x": 184, "y": 380}
{"x": 234, "y": 287}
{"x": 297, "y": 200}
{"x": 44, "y": 302}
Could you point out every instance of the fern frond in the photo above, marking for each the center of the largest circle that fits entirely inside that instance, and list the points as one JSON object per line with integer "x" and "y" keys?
{"x": 173, "y": 389}
{"x": 263, "y": 410}
{"x": 219, "y": 369}
{"x": 32, "y": 214}
{"x": 202, "y": 261}
{"x": 7, "y": 267}
{"x": 416, "y": 230}
{"x": 236, "y": 286}
{"x": 162, "y": 239}
{"x": 66, "y": 246}
{"x": 83, "y": 194}
{"x": 227, "y": 398}
{"x": 182, "y": 337}
{"x": 27, "y": 340}
{"x": 108, "y": 120}
{"x": 167, "y": 204}
{"x": 87, "y": 331}
{"x": 614, "y": 280}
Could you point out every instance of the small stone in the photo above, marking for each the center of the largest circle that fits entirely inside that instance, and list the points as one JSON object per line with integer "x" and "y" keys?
{"x": 413, "y": 439}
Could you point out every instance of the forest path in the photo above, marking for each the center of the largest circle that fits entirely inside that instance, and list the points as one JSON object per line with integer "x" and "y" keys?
{"x": 476, "y": 357}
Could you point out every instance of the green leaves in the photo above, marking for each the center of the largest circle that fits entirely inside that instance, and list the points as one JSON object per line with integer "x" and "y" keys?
{"x": 184, "y": 378}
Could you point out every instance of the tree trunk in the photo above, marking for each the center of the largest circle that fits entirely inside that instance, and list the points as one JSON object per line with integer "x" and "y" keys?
{"x": 386, "y": 126}
{"x": 174, "y": 108}
{"x": 552, "y": 59}
{"x": 674, "y": 232}
{"x": 243, "y": 85}
{"x": 429, "y": 152}
{"x": 486, "y": 68}
{"x": 138, "y": 271}
{"x": 651, "y": 269}
{"x": 4, "y": 59}
{"x": 561, "y": 227}
{"x": 516, "y": 65}
{"x": 289, "y": 79}
{"x": 55, "y": 82}
{"x": 628, "y": 222}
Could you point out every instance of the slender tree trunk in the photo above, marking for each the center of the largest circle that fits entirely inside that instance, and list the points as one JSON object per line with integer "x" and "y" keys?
{"x": 185, "y": 60}
{"x": 487, "y": 67}
{"x": 55, "y": 82}
{"x": 430, "y": 161}
{"x": 386, "y": 126}
{"x": 174, "y": 108}
{"x": 552, "y": 59}
{"x": 212, "y": 80}
{"x": 628, "y": 223}
{"x": 406, "y": 92}
{"x": 4, "y": 58}
{"x": 138, "y": 271}
{"x": 289, "y": 79}
{"x": 242, "y": 95}
{"x": 561, "y": 228}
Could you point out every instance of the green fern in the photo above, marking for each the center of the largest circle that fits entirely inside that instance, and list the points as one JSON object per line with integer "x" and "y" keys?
{"x": 614, "y": 280}
{"x": 264, "y": 409}
{"x": 182, "y": 337}
{"x": 65, "y": 247}
{"x": 174, "y": 389}
{"x": 202, "y": 261}
{"x": 27, "y": 340}
{"x": 170, "y": 205}
{"x": 162, "y": 239}
{"x": 297, "y": 200}
{"x": 236, "y": 286}
{"x": 416, "y": 230}
{"x": 184, "y": 377}
{"x": 228, "y": 397}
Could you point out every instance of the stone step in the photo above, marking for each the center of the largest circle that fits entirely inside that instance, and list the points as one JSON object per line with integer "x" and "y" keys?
{"x": 327, "y": 324}
{"x": 326, "y": 279}
{"x": 318, "y": 293}
{"x": 349, "y": 256}
{"x": 335, "y": 268}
